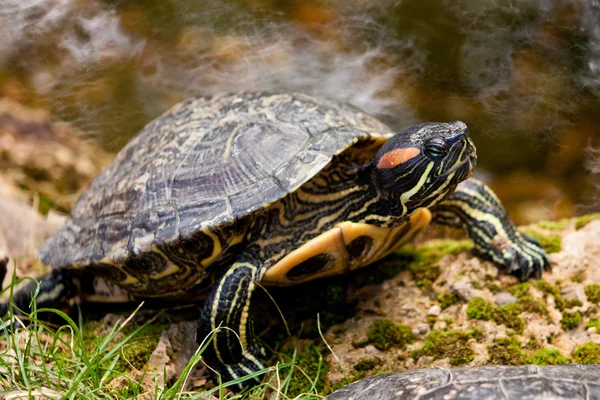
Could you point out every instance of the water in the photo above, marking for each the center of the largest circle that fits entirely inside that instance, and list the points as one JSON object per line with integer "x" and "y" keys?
{"x": 524, "y": 75}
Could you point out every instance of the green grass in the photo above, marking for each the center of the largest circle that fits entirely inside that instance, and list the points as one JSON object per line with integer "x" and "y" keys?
{"x": 67, "y": 362}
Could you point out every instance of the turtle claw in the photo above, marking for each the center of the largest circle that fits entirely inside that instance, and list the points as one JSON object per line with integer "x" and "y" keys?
{"x": 522, "y": 256}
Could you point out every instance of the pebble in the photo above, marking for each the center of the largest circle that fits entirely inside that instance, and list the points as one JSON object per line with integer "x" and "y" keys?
{"x": 504, "y": 298}
{"x": 434, "y": 311}
{"x": 370, "y": 349}
{"x": 420, "y": 329}
{"x": 335, "y": 377}
{"x": 463, "y": 288}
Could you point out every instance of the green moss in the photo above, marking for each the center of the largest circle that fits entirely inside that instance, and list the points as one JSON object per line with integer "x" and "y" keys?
{"x": 493, "y": 287}
{"x": 519, "y": 290}
{"x": 447, "y": 299}
{"x": 309, "y": 370}
{"x": 449, "y": 344}
{"x": 478, "y": 308}
{"x": 136, "y": 353}
{"x": 570, "y": 320}
{"x": 508, "y": 315}
{"x": 506, "y": 351}
{"x": 548, "y": 357}
{"x": 554, "y": 225}
{"x": 384, "y": 334}
{"x": 559, "y": 300}
{"x": 570, "y": 303}
{"x": 550, "y": 243}
{"x": 592, "y": 292}
{"x": 532, "y": 344}
{"x": 420, "y": 259}
{"x": 367, "y": 364}
{"x": 547, "y": 287}
{"x": 578, "y": 277}
{"x": 431, "y": 320}
{"x": 531, "y": 305}
{"x": 593, "y": 323}
{"x": 585, "y": 219}
{"x": 588, "y": 353}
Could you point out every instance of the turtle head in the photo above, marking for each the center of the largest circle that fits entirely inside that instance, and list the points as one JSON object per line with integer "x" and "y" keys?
{"x": 421, "y": 166}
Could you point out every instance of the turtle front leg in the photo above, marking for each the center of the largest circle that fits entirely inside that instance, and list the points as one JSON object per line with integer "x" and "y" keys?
{"x": 234, "y": 351}
{"x": 475, "y": 208}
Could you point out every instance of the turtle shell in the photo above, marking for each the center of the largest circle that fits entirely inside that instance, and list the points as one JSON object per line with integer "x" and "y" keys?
{"x": 178, "y": 186}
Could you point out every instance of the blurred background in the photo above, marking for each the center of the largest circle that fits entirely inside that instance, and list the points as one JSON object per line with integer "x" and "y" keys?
{"x": 524, "y": 75}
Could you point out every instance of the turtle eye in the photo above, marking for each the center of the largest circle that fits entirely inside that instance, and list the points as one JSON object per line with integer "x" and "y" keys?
{"x": 435, "y": 148}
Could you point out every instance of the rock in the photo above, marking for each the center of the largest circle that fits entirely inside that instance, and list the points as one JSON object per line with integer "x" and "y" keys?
{"x": 335, "y": 377}
{"x": 174, "y": 350}
{"x": 372, "y": 350}
{"x": 434, "y": 311}
{"x": 399, "y": 300}
{"x": 420, "y": 329}
{"x": 504, "y": 298}
{"x": 582, "y": 248}
{"x": 574, "y": 293}
{"x": 463, "y": 288}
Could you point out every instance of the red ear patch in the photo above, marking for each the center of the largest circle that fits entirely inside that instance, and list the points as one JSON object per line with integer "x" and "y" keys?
{"x": 397, "y": 157}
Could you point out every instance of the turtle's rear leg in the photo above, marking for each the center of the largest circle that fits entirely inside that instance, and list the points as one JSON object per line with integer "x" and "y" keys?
{"x": 55, "y": 289}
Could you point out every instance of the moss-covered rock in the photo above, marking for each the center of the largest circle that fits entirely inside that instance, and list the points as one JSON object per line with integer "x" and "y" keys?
{"x": 519, "y": 290}
{"x": 588, "y": 353}
{"x": 531, "y": 305}
{"x": 422, "y": 257}
{"x": 449, "y": 344}
{"x": 547, "y": 288}
{"x": 136, "y": 353}
{"x": 586, "y": 219}
{"x": 559, "y": 300}
{"x": 593, "y": 323}
{"x": 506, "y": 351}
{"x": 550, "y": 242}
{"x": 554, "y": 225}
{"x": 507, "y": 315}
{"x": 592, "y": 292}
{"x": 570, "y": 320}
{"x": 478, "y": 308}
{"x": 384, "y": 334}
{"x": 447, "y": 299}
{"x": 367, "y": 364}
{"x": 548, "y": 357}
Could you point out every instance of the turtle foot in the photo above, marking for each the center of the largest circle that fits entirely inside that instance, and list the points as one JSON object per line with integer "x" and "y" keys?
{"x": 522, "y": 256}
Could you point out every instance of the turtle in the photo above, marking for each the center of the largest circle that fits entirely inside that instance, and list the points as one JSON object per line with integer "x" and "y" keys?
{"x": 556, "y": 382}
{"x": 227, "y": 192}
